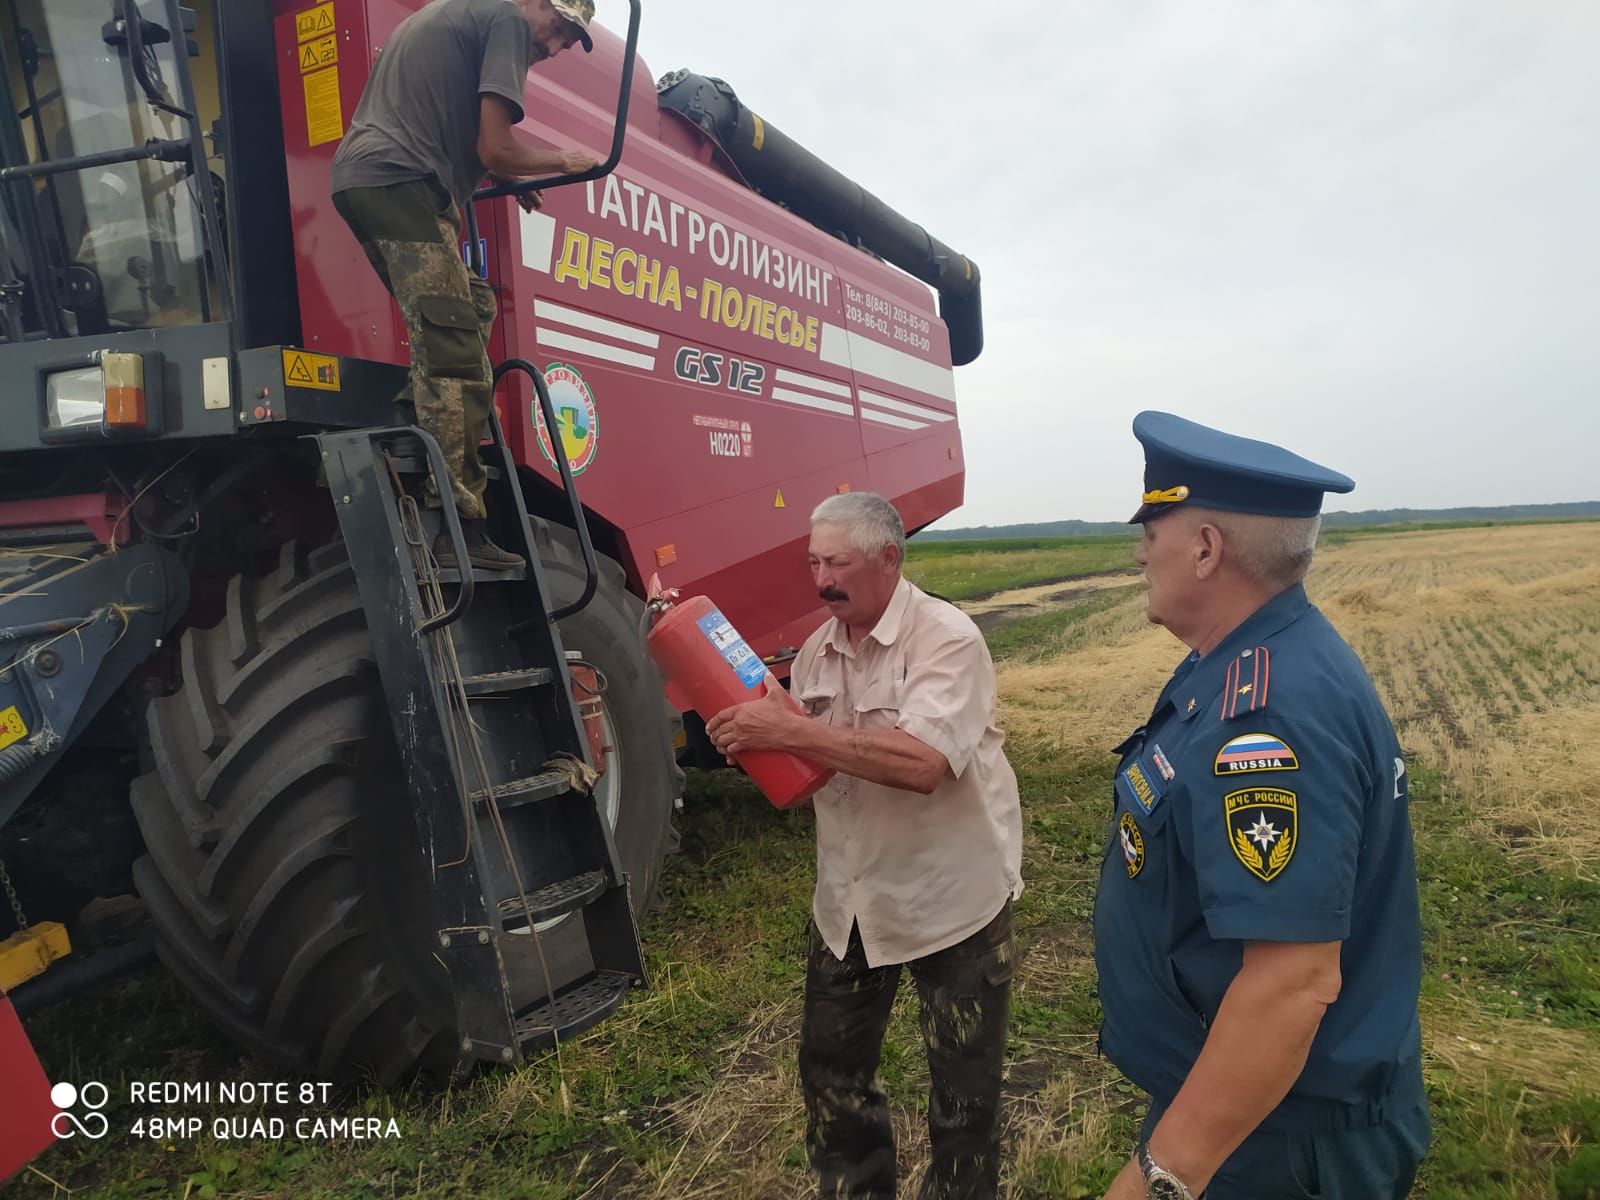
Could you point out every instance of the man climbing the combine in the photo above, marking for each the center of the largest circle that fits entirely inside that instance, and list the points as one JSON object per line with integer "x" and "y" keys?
{"x": 436, "y": 116}
{"x": 919, "y": 848}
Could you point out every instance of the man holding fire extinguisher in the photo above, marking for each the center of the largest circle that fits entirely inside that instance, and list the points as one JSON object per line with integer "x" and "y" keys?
{"x": 919, "y": 849}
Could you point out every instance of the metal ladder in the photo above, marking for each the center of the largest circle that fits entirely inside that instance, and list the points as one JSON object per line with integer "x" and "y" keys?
{"x": 492, "y": 745}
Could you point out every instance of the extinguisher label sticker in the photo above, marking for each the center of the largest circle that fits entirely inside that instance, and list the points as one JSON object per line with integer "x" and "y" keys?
{"x": 746, "y": 663}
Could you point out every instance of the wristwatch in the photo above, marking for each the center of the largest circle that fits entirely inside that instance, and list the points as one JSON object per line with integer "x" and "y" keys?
{"x": 1160, "y": 1183}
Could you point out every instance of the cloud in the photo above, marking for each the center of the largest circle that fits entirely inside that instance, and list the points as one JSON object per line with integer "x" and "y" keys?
{"x": 1363, "y": 230}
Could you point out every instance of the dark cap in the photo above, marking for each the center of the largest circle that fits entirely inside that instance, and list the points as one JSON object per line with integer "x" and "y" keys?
{"x": 1186, "y": 463}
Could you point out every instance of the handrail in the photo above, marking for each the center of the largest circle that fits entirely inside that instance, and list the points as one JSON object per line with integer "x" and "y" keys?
{"x": 164, "y": 149}
{"x": 452, "y": 522}
{"x": 591, "y": 567}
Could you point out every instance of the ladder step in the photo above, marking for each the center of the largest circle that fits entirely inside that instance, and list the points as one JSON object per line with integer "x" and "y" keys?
{"x": 527, "y": 790}
{"x": 554, "y": 900}
{"x": 453, "y": 574}
{"x": 497, "y": 682}
{"x": 415, "y": 463}
{"x": 576, "y": 1009}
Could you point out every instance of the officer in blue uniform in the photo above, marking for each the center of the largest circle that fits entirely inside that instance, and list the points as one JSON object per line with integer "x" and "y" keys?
{"x": 1256, "y": 928}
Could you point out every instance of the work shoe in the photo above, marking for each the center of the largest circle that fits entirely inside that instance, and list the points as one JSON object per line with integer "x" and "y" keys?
{"x": 481, "y": 552}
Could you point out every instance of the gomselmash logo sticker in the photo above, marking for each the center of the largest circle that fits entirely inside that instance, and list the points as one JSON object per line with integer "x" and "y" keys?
{"x": 576, "y": 414}
{"x": 1262, "y": 829}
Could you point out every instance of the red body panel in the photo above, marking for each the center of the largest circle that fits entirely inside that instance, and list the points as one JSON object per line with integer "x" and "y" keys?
{"x": 620, "y": 289}
{"x": 102, "y": 513}
{"x": 26, "y": 1110}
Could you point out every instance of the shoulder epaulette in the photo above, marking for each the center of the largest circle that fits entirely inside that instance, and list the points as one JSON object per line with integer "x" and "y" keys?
{"x": 1244, "y": 689}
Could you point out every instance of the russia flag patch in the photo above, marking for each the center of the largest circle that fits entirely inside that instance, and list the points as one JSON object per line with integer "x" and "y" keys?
{"x": 1255, "y": 752}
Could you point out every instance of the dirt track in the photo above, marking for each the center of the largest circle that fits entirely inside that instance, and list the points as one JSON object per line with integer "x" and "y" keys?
{"x": 1004, "y": 607}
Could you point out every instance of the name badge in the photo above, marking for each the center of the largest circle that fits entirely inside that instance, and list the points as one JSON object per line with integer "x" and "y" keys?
{"x": 1142, "y": 785}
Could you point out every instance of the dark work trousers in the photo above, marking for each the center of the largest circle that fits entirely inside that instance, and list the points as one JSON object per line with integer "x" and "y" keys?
{"x": 964, "y": 991}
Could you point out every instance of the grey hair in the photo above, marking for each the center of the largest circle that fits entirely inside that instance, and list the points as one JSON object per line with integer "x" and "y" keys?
{"x": 871, "y": 520}
{"x": 1273, "y": 551}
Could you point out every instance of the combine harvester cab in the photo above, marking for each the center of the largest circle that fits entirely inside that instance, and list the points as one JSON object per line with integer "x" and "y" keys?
{"x": 206, "y": 494}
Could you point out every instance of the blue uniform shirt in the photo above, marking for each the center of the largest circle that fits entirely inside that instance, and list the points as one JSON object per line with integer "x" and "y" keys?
{"x": 1265, "y": 800}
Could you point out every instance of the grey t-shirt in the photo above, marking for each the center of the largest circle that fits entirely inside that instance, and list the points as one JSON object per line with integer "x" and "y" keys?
{"x": 418, "y": 116}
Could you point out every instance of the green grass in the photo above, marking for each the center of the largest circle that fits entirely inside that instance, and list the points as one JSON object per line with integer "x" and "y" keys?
{"x": 726, "y": 957}
{"x": 1039, "y": 636}
{"x": 967, "y": 570}
{"x": 974, "y": 568}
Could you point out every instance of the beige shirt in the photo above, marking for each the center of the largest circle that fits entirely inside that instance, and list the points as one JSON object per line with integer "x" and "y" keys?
{"x": 916, "y": 873}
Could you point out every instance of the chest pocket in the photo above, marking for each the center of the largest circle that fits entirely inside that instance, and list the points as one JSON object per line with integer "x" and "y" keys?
{"x": 1140, "y": 804}
{"x": 819, "y": 700}
{"x": 1141, "y": 789}
{"x": 1140, "y": 841}
{"x": 878, "y": 705}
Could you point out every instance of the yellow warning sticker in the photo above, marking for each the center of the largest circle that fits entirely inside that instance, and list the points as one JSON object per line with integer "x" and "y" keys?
{"x": 314, "y": 22}
{"x": 324, "y": 52}
{"x": 301, "y": 368}
{"x": 324, "y": 113}
{"x": 12, "y": 727}
{"x": 777, "y": 501}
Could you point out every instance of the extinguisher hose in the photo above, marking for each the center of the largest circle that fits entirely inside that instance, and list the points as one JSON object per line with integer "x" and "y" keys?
{"x": 652, "y": 613}
{"x": 600, "y": 681}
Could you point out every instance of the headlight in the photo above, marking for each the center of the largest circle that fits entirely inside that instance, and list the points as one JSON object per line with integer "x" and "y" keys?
{"x": 74, "y": 399}
{"x": 108, "y": 394}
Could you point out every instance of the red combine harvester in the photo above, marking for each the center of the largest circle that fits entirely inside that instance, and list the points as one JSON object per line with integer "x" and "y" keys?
{"x": 356, "y": 796}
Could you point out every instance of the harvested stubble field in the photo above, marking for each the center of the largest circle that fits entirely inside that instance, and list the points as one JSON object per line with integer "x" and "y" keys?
{"x": 1486, "y": 644}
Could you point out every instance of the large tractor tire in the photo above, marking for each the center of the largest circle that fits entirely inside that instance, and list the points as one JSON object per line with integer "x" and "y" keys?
{"x": 282, "y": 869}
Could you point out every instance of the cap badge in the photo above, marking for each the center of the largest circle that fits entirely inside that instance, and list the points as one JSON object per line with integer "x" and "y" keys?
{"x": 1168, "y": 496}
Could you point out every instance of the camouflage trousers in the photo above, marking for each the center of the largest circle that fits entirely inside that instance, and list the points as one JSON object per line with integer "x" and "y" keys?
{"x": 964, "y": 993}
{"x": 411, "y": 233}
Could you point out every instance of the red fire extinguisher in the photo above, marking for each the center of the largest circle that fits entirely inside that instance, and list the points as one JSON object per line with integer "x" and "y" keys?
{"x": 708, "y": 668}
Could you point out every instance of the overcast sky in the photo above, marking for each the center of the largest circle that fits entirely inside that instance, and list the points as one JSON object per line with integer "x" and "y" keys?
{"x": 1365, "y": 230}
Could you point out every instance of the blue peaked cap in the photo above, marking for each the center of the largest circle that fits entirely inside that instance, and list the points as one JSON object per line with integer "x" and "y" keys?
{"x": 1195, "y": 464}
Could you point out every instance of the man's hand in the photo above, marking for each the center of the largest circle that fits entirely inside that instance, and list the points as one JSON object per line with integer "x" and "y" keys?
{"x": 764, "y": 724}
{"x": 568, "y": 162}
{"x": 529, "y": 201}
{"x": 509, "y": 160}
{"x": 1128, "y": 1185}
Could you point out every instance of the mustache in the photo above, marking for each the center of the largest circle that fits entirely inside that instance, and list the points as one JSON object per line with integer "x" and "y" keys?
{"x": 833, "y": 594}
